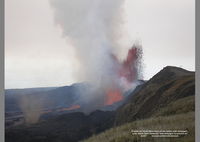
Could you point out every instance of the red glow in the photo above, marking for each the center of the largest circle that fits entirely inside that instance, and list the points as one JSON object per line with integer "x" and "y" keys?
{"x": 113, "y": 96}
{"x": 128, "y": 69}
{"x": 73, "y": 107}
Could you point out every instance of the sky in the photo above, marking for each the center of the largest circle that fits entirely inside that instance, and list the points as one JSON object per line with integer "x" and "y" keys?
{"x": 37, "y": 54}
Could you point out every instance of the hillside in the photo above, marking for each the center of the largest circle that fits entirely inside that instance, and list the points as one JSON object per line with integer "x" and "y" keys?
{"x": 183, "y": 121}
{"x": 167, "y": 86}
{"x": 165, "y": 102}
{"x": 177, "y": 115}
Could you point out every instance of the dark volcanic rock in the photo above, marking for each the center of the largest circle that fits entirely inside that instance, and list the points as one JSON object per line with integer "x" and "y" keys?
{"x": 75, "y": 126}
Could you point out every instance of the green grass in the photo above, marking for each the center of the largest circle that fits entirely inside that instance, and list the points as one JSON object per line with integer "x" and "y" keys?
{"x": 178, "y": 115}
{"x": 183, "y": 105}
{"x": 122, "y": 133}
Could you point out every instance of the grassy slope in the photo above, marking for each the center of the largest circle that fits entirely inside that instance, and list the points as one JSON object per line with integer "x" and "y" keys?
{"x": 178, "y": 115}
{"x": 165, "y": 87}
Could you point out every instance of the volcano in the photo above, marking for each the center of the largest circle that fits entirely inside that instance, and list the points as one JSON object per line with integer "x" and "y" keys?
{"x": 82, "y": 97}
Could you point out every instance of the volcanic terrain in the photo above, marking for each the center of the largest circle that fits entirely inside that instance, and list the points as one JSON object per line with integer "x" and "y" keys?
{"x": 65, "y": 121}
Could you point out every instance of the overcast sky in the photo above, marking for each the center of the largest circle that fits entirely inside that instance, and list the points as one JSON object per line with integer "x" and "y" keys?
{"x": 36, "y": 55}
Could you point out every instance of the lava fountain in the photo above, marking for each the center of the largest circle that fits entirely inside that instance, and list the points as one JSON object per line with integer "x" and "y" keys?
{"x": 128, "y": 71}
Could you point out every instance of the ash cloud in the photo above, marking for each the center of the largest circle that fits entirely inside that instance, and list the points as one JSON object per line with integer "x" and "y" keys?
{"x": 94, "y": 29}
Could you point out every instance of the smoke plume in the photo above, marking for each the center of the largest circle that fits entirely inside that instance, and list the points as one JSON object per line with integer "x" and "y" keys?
{"x": 31, "y": 105}
{"x": 94, "y": 29}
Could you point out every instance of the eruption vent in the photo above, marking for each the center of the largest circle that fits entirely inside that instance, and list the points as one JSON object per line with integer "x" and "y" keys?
{"x": 94, "y": 28}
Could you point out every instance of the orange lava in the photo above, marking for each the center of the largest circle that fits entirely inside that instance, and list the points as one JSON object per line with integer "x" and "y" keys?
{"x": 113, "y": 96}
{"x": 73, "y": 107}
{"x": 128, "y": 70}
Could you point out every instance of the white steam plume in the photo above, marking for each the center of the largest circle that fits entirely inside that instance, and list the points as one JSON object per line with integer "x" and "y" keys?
{"x": 94, "y": 29}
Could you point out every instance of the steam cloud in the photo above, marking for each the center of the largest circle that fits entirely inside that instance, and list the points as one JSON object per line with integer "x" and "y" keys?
{"x": 93, "y": 28}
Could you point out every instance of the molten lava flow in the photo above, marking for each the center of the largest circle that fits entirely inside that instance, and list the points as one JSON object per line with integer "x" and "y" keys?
{"x": 73, "y": 107}
{"x": 113, "y": 96}
{"x": 127, "y": 70}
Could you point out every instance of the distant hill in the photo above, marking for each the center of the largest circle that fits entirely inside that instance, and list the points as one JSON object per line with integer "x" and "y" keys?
{"x": 81, "y": 94}
{"x": 52, "y": 97}
{"x": 13, "y": 95}
{"x": 14, "y": 92}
